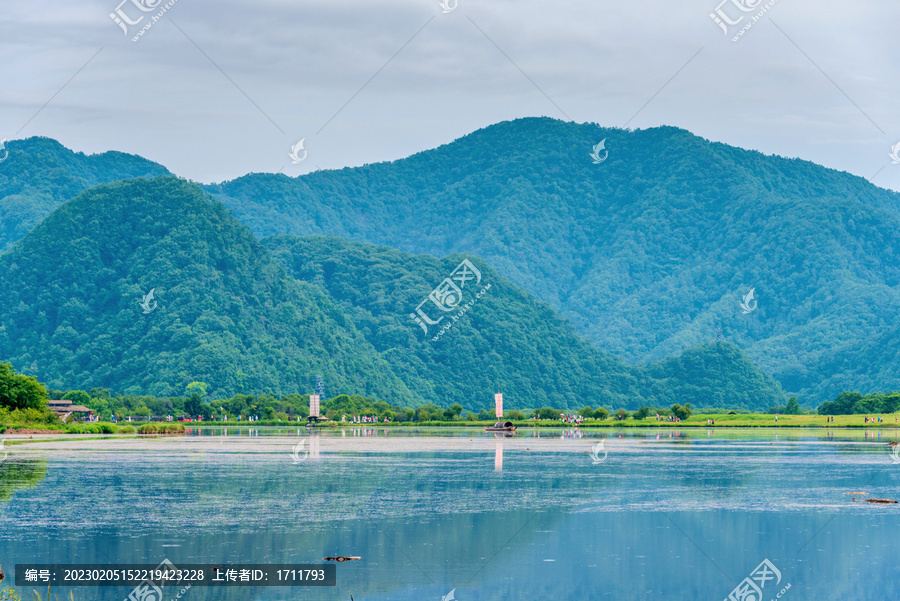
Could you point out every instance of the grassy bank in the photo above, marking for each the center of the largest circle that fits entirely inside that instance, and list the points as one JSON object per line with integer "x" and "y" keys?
{"x": 744, "y": 420}
{"x": 95, "y": 428}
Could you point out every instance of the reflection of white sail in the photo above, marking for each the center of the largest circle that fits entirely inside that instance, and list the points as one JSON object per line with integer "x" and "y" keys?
{"x": 498, "y": 457}
{"x": 314, "y": 446}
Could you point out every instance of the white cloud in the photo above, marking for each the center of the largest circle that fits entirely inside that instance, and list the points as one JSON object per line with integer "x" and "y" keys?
{"x": 300, "y": 62}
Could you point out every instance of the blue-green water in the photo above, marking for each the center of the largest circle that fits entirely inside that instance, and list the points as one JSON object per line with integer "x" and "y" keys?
{"x": 678, "y": 517}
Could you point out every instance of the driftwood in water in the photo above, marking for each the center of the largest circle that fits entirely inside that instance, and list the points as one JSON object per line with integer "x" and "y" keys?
{"x": 877, "y": 501}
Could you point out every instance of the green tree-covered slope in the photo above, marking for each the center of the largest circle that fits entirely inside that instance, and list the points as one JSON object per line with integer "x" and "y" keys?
{"x": 223, "y": 311}
{"x": 648, "y": 253}
{"x": 506, "y": 339}
{"x": 715, "y": 374}
{"x": 39, "y": 174}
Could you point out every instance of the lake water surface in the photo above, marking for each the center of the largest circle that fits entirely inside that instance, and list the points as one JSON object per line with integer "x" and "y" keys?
{"x": 544, "y": 515}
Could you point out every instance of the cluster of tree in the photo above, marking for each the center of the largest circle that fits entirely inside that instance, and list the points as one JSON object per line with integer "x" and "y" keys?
{"x": 854, "y": 403}
{"x": 18, "y": 391}
{"x": 22, "y": 399}
{"x": 192, "y": 404}
{"x": 288, "y": 407}
{"x": 792, "y": 407}
{"x": 293, "y": 406}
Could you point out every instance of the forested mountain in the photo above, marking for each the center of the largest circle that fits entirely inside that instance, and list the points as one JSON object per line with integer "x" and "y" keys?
{"x": 506, "y": 339}
{"x": 77, "y": 315}
{"x": 222, "y": 310}
{"x": 647, "y": 253}
{"x": 39, "y": 173}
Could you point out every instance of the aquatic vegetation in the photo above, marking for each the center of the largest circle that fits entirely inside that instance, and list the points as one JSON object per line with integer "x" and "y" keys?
{"x": 18, "y": 474}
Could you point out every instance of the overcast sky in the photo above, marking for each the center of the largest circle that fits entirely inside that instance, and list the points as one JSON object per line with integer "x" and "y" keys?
{"x": 215, "y": 90}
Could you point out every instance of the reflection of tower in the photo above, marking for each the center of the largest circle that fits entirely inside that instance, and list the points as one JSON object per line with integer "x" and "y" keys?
{"x": 314, "y": 446}
{"x": 498, "y": 457}
{"x": 314, "y": 405}
{"x": 320, "y": 386}
{"x": 498, "y": 404}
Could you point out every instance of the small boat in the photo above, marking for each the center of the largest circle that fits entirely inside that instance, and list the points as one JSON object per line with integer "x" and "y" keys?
{"x": 501, "y": 427}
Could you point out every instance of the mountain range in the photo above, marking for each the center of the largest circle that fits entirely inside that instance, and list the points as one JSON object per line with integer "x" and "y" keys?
{"x": 246, "y": 316}
{"x": 648, "y": 254}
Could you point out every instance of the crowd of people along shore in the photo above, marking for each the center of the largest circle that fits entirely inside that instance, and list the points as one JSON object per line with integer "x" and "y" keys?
{"x": 364, "y": 419}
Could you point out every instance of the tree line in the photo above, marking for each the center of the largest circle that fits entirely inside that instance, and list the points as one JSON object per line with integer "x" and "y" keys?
{"x": 24, "y": 400}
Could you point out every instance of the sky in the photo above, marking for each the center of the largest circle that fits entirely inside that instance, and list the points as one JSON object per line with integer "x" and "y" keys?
{"x": 216, "y": 90}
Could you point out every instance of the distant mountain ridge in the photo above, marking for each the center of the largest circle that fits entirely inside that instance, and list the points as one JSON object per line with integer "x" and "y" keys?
{"x": 226, "y": 313}
{"x": 39, "y": 174}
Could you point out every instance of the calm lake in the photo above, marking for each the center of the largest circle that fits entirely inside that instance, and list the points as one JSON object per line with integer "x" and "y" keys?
{"x": 647, "y": 514}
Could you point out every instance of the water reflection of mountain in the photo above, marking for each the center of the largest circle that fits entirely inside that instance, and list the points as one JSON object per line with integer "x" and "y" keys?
{"x": 16, "y": 474}
{"x": 550, "y": 525}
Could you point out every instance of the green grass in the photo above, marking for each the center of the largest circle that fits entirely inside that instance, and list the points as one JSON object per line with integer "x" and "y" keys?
{"x": 32, "y": 426}
{"x": 722, "y": 420}
{"x": 92, "y": 428}
{"x": 99, "y": 428}
{"x": 75, "y": 428}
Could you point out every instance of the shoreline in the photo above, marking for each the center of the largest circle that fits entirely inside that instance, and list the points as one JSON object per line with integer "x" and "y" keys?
{"x": 478, "y": 427}
{"x": 695, "y": 422}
